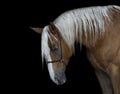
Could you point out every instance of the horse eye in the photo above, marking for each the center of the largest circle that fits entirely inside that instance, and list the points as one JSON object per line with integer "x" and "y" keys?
{"x": 54, "y": 49}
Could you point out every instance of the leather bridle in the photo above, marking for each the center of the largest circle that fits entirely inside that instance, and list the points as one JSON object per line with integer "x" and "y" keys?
{"x": 61, "y": 60}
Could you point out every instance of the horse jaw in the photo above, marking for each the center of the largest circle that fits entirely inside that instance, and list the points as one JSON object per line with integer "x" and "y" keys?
{"x": 57, "y": 77}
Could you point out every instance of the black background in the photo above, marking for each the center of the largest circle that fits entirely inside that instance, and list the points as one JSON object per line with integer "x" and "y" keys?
{"x": 30, "y": 76}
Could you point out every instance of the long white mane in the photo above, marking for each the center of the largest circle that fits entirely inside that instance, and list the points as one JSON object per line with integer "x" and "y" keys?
{"x": 91, "y": 21}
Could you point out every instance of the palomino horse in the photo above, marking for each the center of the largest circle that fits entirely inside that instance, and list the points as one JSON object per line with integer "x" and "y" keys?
{"x": 98, "y": 29}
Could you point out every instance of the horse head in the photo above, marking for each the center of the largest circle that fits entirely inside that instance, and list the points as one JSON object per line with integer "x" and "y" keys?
{"x": 55, "y": 51}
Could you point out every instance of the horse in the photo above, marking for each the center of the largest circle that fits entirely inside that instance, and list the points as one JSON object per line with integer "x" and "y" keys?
{"x": 95, "y": 27}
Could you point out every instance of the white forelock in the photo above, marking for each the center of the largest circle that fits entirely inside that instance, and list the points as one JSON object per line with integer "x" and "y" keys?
{"x": 44, "y": 44}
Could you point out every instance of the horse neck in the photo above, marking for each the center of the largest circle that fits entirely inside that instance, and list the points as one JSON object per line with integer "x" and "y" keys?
{"x": 82, "y": 27}
{"x": 89, "y": 38}
{"x": 85, "y": 37}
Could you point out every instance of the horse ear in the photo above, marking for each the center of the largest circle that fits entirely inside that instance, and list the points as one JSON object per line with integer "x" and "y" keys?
{"x": 37, "y": 29}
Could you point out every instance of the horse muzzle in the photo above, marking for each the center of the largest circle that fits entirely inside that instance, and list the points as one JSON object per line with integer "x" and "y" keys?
{"x": 59, "y": 77}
